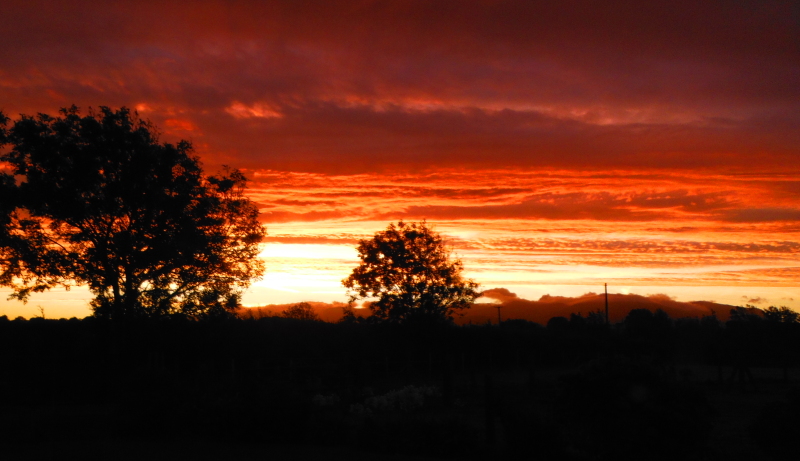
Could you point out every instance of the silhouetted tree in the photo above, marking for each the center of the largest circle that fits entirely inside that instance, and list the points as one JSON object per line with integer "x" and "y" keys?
{"x": 11, "y": 245}
{"x": 410, "y": 271}
{"x": 746, "y": 344}
{"x": 746, "y": 315}
{"x": 558, "y": 324}
{"x": 639, "y": 321}
{"x": 577, "y": 321}
{"x": 596, "y": 319}
{"x": 710, "y": 322}
{"x": 300, "y": 311}
{"x": 9, "y": 241}
{"x": 101, "y": 202}
{"x": 781, "y": 315}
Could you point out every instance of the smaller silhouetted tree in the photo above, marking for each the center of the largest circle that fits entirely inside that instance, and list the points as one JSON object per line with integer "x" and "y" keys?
{"x": 411, "y": 272}
{"x": 300, "y": 311}
{"x": 596, "y": 319}
{"x": 577, "y": 321}
{"x": 710, "y": 323}
{"x": 638, "y": 321}
{"x": 781, "y": 315}
{"x": 558, "y": 324}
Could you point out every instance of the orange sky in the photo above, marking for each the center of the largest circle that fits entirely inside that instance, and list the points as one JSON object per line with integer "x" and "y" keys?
{"x": 558, "y": 145}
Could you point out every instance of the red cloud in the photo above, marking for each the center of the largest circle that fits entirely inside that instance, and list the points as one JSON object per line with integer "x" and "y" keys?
{"x": 378, "y": 86}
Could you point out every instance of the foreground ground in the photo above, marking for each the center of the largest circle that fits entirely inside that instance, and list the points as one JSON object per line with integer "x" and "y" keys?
{"x": 277, "y": 389}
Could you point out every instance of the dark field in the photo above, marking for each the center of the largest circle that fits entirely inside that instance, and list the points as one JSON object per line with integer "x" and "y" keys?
{"x": 279, "y": 388}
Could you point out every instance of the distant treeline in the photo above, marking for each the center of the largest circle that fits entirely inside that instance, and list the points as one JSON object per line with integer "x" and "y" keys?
{"x": 751, "y": 336}
{"x": 96, "y": 360}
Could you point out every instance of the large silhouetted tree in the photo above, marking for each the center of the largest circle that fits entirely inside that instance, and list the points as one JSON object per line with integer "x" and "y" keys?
{"x": 410, "y": 271}
{"x": 97, "y": 200}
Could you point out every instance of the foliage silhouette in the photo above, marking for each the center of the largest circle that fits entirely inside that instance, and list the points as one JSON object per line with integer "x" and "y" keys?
{"x": 411, "y": 272}
{"x": 102, "y": 203}
{"x": 558, "y": 323}
{"x": 300, "y": 311}
{"x": 781, "y": 315}
{"x": 748, "y": 314}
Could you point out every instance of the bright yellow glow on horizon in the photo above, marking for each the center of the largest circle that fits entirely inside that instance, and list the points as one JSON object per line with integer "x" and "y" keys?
{"x": 307, "y": 251}
{"x": 687, "y": 253}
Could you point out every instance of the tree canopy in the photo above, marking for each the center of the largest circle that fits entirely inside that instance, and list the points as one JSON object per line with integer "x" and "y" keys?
{"x": 96, "y": 200}
{"x": 411, "y": 272}
{"x": 300, "y": 311}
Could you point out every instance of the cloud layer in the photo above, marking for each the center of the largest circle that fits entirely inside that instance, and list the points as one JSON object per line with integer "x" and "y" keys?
{"x": 343, "y": 86}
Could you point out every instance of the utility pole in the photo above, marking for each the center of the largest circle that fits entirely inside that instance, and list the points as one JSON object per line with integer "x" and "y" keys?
{"x": 498, "y": 315}
{"x": 605, "y": 285}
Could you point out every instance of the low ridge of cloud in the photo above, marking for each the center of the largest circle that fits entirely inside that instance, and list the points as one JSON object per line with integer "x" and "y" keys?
{"x": 539, "y": 311}
{"x": 619, "y": 305}
{"x": 499, "y": 294}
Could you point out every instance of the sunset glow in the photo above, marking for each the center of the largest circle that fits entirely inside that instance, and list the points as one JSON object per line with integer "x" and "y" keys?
{"x": 556, "y": 149}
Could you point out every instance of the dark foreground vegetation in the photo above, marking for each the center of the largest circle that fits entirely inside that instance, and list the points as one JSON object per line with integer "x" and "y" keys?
{"x": 648, "y": 388}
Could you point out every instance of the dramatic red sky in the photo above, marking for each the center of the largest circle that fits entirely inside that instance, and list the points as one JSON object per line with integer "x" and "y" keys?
{"x": 558, "y": 145}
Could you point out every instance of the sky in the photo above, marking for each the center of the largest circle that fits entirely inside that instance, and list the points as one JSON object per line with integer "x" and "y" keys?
{"x": 650, "y": 145}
